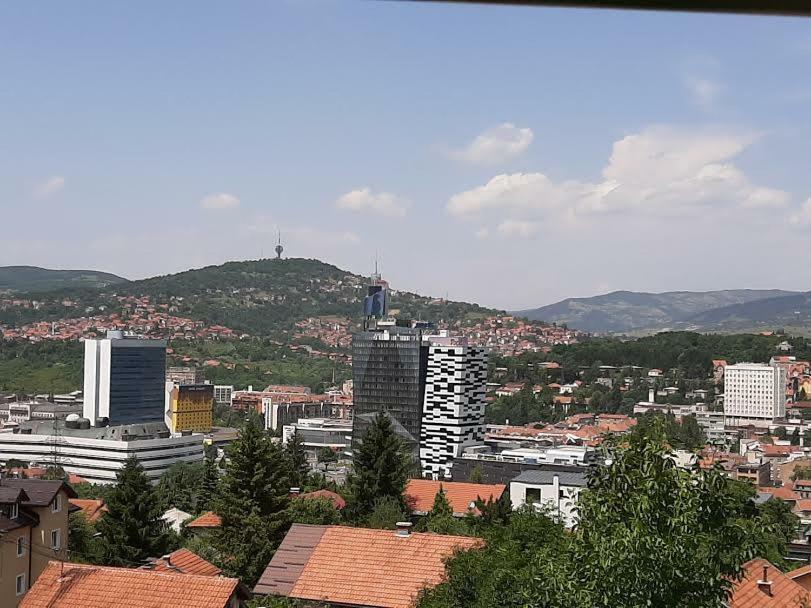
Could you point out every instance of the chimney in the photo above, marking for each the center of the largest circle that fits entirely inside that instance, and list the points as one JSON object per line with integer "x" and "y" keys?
{"x": 295, "y": 492}
{"x": 765, "y": 585}
{"x": 404, "y": 529}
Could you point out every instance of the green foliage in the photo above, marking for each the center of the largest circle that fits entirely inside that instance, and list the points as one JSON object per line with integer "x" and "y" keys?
{"x": 55, "y": 473}
{"x": 386, "y": 512}
{"x": 317, "y": 511}
{"x": 132, "y": 529}
{"x": 83, "y": 548}
{"x": 476, "y": 474}
{"x": 297, "y": 461}
{"x": 181, "y": 486}
{"x": 522, "y": 408}
{"x": 381, "y": 469}
{"x": 801, "y": 472}
{"x": 252, "y": 500}
{"x": 684, "y": 435}
{"x": 441, "y": 506}
{"x": 94, "y": 491}
{"x": 52, "y": 366}
{"x": 208, "y": 485}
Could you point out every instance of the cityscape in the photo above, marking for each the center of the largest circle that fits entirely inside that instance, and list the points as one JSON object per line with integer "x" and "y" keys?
{"x": 404, "y": 305}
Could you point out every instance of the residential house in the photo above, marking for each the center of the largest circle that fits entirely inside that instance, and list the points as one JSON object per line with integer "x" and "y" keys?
{"x": 554, "y": 491}
{"x": 33, "y": 530}
{"x": 803, "y": 487}
{"x": 359, "y": 567}
{"x": 90, "y": 508}
{"x": 205, "y": 523}
{"x": 420, "y": 495}
{"x": 764, "y": 586}
{"x": 175, "y": 518}
{"x": 68, "y": 585}
{"x": 183, "y": 561}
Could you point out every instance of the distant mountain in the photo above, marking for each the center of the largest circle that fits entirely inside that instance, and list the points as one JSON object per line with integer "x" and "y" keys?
{"x": 629, "y": 311}
{"x": 32, "y": 278}
{"x": 788, "y": 311}
{"x": 259, "y": 297}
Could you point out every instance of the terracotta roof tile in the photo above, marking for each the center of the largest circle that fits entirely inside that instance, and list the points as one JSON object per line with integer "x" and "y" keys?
{"x": 84, "y": 586}
{"x": 785, "y": 593}
{"x": 186, "y": 562}
{"x": 209, "y": 519}
{"x": 92, "y": 509}
{"x": 387, "y": 570}
{"x": 420, "y": 494}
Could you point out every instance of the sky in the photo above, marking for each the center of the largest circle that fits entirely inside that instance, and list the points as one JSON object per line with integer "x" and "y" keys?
{"x": 509, "y": 156}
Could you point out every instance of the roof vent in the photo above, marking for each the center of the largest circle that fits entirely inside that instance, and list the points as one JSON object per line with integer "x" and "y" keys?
{"x": 295, "y": 491}
{"x": 765, "y": 585}
{"x": 404, "y": 528}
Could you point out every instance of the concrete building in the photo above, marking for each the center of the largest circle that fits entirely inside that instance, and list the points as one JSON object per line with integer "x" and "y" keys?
{"x": 754, "y": 394}
{"x": 554, "y": 491}
{"x": 453, "y": 408}
{"x": 184, "y": 375}
{"x": 33, "y": 531}
{"x": 124, "y": 380}
{"x": 98, "y": 453}
{"x": 318, "y": 433}
{"x": 190, "y": 407}
{"x": 223, "y": 393}
{"x": 23, "y": 411}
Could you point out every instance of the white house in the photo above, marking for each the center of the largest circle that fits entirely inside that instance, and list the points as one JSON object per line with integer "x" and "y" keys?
{"x": 556, "y": 491}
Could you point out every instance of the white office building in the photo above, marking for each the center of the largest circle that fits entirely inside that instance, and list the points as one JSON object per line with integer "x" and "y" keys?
{"x": 556, "y": 492}
{"x": 453, "y": 407}
{"x": 97, "y": 454}
{"x": 223, "y": 394}
{"x": 754, "y": 393}
{"x": 124, "y": 380}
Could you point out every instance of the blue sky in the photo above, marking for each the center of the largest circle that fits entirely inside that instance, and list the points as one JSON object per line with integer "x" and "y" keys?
{"x": 509, "y": 156}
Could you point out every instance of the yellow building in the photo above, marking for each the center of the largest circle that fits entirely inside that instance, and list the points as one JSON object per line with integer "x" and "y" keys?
{"x": 33, "y": 531}
{"x": 192, "y": 408}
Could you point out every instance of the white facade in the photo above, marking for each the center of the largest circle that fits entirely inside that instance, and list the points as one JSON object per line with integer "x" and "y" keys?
{"x": 223, "y": 394}
{"x": 556, "y": 492}
{"x": 98, "y": 460}
{"x": 754, "y": 393}
{"x": 453, "y": 408}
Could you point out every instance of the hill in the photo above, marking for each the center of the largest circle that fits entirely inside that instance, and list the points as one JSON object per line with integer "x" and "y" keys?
{"x": 628, "y": 311}
{"x": 791, "y": 311}
{"x": 32, "y": 278}
{"x": 259, "y": 297}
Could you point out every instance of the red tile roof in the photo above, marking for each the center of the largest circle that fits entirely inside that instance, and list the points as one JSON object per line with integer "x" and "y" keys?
{"x": 209, "y": 519}
{"x": 420, "y": 494}
{"x": 784, "y": 492}
{"x": 358, "y": 566}
{"x": 785, "y": 593}
{"x": 185, "y": 562}
{"x": 92, "y": 509}
{"x": 336, "y": 499}
{"x": 84, "y": 586}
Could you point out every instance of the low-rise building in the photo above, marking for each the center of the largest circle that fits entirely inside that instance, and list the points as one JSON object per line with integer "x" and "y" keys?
{"x": 184, "y": 375}
{"x": 556, "y": 492}
{"x": 462, "y": 497}
{"x": 33, "y": 529}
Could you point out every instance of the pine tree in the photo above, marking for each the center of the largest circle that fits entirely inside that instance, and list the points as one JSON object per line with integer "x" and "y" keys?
{"x": 132, "y": 529}
{"x": 441, "y": 506}
{"x": 208, "y": 488}
{"x": 252, "y": 500}
{"x": 297, "y": 461}
{"x": 381, "y": 468}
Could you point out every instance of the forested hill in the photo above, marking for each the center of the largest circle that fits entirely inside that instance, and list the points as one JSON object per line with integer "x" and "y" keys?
{"x": 32, "y": 278}
{"x": 258, "y": 297}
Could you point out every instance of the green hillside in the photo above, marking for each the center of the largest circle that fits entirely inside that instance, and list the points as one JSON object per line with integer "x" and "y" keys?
{"x": 32, "y": 278}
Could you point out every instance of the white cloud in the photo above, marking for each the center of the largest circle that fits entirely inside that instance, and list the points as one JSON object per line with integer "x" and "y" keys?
{"x": 659, "y": 172}
{"x": 803, "y": 215}
{"x": 482, "y": 233}
{"x": 350, "y": 237}
{"x": 704, "y": 92}
{"x": 220, "y": 200}
{"x": 363, "y": 199}
{"x": 518, "y": 228}
{"x": 497, "y": 145}
{"x": 50, "y": 186}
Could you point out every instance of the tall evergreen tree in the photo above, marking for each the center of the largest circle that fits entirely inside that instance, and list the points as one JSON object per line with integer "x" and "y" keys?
{"x": 132, "y": 529}
{"x": 252, "y": 500}
{"x": 208, "y": 487}
{"x": 441, "y": 506}
{"x": 297, "y": 461}
{"x": 381, "y": 468}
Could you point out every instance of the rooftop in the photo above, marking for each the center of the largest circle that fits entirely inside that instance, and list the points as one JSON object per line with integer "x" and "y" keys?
{"x": 84, "y": 586}
{"x": 40, "y": 492}
{"x": 545, "y": 477}
{"x": 358, "y": 566}
{"x": 783, "y": 592}
{"x": 92, "y": 509}
{"x": 420, "y": 494}
{"x": 183, "y": 561}
{"x": 209, "y": 519}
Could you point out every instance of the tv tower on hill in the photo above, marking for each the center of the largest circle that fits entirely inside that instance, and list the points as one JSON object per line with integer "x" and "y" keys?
{"x": 279, "y": 249}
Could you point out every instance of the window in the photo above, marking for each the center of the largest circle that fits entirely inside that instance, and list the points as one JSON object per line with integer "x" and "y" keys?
{"x": 56, "y": 505}
{"x": 20, "y": 584}
{"x": 56, "y": 537}
{"x": 15, "y": 511}
{"x": 20, "y": 546}
{"x": 533, "y": 495}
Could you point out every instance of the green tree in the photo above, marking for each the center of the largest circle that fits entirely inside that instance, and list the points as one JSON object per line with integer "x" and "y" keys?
{"x": 386, "y": 512}
{"x": 132, "y": 529}
{"x": 252, "y": 500}
{"x": 83, "y": 546}
{"x": 780, "y": 432}
{"x": 381, "y": 468}
{"x": 441, "y": 506}
{"x": 181, "y": 486}
{"x": 476, "y": 474}
{"x": 208, "y": 485}
{"x": 318, "y": 511}
{"x": 297, "y": 460}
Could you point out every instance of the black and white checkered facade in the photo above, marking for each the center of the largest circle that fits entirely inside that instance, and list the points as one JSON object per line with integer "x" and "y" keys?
{"x": 453, "y": 411}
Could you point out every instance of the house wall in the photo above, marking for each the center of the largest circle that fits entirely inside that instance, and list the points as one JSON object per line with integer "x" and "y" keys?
{"x": 11, "y": 566}
{"x": 560, "y": 501}
{"x": 41, "y": 537}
